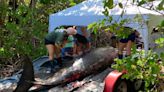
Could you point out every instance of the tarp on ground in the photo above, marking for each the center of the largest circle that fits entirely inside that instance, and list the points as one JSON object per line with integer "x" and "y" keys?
{"x": 90, "y": 11}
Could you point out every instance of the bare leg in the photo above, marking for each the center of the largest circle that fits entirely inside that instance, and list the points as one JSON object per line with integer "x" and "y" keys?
{"x": 88, "y": 46}
{"x": 51, "y": 51}
{"x": 128, "y": 47}
{"x": 79, "y": 48}
{"x": 121, "y": 47}
{"x": 75, "y": 49}
{"x": 54, "y": 49}
{"x": 57, "y": 51}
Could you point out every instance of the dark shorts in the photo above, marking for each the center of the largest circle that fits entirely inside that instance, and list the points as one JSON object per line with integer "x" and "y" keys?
{"x": 81, "y": 39}
{"x": 124, "y": 40}
{"x": 46, "y": 42}
{"x": 131, "y": 37}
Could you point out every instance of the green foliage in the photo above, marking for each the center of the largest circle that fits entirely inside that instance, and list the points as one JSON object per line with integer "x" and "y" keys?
{"x": 162, "y": 57}
{"x": 44, "y": 1}
{"x": 108, "y": 4}
{"x": 140, "y": 66}
{"x": 161, "y": 5}
{"x": 117, "y": 28}
{"x": 72, "y": 3}
{"x": 160, "y": 41}
{"x": 2, "y": 51}
{"x": 21, "y": 38}
{"x": 141, "y": 2}
{"x": 120, "y": 5}
{"x": 24, "y": 33}
{"x": 3, "y": 9}
{"x": 162, "y": 24}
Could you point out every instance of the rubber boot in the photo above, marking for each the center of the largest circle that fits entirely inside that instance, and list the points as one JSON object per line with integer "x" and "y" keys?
{"x": 52, "y": 66}
{"x": 59, "y": 61}
{"x": 120, "y": 56}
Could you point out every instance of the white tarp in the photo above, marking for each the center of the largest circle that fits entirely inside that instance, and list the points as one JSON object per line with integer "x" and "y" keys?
{"x": 90, "y": 11}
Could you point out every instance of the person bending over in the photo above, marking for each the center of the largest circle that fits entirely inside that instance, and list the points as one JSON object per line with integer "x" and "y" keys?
{"x": 67, "y": 51}
{"x": 82, "y": 40}
{"x": 55, "y": 40}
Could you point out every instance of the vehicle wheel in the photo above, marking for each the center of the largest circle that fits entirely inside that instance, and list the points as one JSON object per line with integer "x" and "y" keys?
{"x": 121, "y": 85}
{"x": 138, "y": 85}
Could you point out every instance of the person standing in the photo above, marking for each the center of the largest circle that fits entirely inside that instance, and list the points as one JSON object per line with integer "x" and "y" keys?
{"x": 127, "y": 43}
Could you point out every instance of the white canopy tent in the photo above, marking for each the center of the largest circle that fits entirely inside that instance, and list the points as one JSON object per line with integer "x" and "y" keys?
{"x": 90, "y": 11}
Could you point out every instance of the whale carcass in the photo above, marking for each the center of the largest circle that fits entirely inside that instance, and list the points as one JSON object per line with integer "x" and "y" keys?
{"x": 93, "y": 62}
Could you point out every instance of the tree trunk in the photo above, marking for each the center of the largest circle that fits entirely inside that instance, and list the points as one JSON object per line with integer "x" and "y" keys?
{"x": 22, "y": 2}
{"x": 32, "y": 4}
{"x": 2, "y": 12}
{"x": 13, "y": 5}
